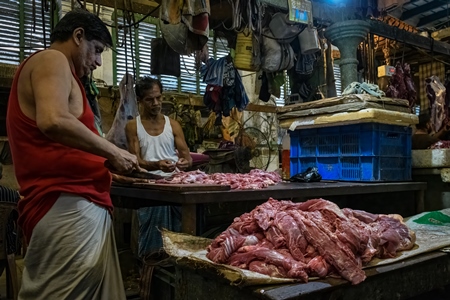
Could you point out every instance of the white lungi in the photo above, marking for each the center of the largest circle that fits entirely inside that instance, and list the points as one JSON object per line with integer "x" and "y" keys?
{"x": 72, "y": 254}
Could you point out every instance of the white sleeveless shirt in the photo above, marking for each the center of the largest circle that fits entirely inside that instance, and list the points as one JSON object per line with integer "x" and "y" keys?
{"x": 155, "y": 148}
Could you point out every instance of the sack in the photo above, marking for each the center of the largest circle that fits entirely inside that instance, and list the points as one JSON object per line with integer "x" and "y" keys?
{"x": 164, "y": 60}
{"x": 275, "y": 56}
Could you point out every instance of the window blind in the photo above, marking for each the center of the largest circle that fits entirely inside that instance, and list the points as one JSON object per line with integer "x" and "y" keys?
{"x": 23, "y": 32}
{"x": 189, "y": 80}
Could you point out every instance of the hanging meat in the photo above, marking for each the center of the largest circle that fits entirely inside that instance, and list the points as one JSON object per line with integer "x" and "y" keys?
{"x": 312, "y": 238}
{"x": 401, "y": 85}
{"x": 410, "y": 89}
{"x": 436, "y": 94}
{"x": 126, "y": 111}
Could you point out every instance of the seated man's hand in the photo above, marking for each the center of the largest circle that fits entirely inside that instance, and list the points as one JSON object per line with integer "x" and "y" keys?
{"x": 166, "y": 165}
{"x": 182, "y": 164}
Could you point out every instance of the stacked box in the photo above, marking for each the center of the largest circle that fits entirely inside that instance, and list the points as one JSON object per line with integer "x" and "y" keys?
{"x": 359, "y": 152}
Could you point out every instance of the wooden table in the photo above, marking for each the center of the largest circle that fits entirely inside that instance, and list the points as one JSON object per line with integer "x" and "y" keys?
{"x": 191, "y": 201}
{"x": 400, "y": 280}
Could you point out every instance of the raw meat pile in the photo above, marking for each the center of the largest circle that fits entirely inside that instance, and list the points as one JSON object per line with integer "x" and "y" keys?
{"x": 401, "y": 84}
{"x": 441, "y": 145}
{"x": 312, "y": 238}
{"x": 256, "y": 179}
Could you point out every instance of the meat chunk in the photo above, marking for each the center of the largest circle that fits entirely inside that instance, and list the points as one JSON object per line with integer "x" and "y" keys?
{"x": 313, "y": 238}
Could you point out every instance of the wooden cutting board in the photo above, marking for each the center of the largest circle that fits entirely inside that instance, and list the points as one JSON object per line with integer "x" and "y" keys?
{"x": 191, "y": 187}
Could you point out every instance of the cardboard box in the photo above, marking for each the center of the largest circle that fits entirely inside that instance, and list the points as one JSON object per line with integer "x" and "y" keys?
{"x": 386, "y": 71}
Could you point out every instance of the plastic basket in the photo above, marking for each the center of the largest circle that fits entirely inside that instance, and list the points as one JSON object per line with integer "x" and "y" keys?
{"x": 361, "y": 152}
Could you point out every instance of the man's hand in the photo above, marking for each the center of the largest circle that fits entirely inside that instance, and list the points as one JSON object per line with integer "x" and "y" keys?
{"x": 182, "y": 164}
{"x": 166, "y": 165}
{"x": 123, "y": 162}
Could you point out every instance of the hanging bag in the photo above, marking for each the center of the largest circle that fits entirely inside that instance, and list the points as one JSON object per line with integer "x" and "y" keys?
{"x": 164, "y": 60}
{"x": 275, "y": 56}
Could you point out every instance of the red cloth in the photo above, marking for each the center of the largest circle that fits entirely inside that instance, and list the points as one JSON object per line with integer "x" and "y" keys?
{"x": 45, "y": 168}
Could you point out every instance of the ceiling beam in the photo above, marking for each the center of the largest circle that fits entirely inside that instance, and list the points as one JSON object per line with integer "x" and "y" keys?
{"x": 433, "y": 17}
{"x": 138, "y": 6}
{"x": 408, "y": 14}
{"x": 409, "y": 38}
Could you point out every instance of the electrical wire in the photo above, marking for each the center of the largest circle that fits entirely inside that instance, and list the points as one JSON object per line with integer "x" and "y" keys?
{"x": 134, "y": 23}
{"x": 432, "y": 56}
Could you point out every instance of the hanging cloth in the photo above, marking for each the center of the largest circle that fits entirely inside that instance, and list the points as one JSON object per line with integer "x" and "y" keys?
{"x": 164, "y": 60}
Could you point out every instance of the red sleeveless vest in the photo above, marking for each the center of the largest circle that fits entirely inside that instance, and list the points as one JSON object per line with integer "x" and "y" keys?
{"x": 45, "y": 169}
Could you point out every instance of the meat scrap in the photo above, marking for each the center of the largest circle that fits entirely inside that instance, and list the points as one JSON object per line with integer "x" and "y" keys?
{"x": 312, "y": 238}
{"x": 255, "y": 179}
{"x": 441, "y": 145}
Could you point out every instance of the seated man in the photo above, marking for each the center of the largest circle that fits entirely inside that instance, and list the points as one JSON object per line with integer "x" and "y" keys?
{"x": 159, "y": 144}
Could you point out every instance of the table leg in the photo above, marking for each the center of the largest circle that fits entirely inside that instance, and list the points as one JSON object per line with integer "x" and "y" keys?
{"x": 189, "y": 219}
{"x": 420, "y": 201}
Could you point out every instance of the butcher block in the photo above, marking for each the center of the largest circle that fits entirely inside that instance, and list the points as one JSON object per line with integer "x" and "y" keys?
{"x": 183, "y": 187}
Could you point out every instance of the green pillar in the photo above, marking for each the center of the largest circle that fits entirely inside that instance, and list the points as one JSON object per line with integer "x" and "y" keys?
{"x": 347, "y": 35}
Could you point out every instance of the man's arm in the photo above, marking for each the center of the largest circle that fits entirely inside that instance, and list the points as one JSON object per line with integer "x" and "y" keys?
{"x": 51, "y": 82}
{"x": 185, "y": 159}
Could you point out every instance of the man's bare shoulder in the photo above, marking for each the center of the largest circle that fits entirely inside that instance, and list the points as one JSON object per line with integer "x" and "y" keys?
{"x": 47, "y": 59}
{"x": 174, "y": 122}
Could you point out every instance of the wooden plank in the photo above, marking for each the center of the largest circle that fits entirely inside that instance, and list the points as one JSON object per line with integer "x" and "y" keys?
{"x": 343, "y": 118}
{"x": 137, "y": 6}
{"x": 347, "y": 107}
{"x": 197, "y": 100}
{"x": 261, "y": 108}
{"x": 343, "y": 100}
{"x": 381, "y": 29}
{"x": 183, "y": 187}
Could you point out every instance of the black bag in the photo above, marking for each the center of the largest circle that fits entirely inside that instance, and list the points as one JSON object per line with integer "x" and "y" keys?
{"x": 164, "y": 60}
{"x": 310, "y": 175}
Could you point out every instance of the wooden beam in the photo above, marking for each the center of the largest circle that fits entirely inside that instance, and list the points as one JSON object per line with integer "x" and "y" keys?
{"x": 137, "y": 6}
{"x": 196, "y": 100}
{"x": 261, "y": 108}
{"x": 409, "y": 38}
{"x": 408, "y": 14}
{"x": 433, "y": 17}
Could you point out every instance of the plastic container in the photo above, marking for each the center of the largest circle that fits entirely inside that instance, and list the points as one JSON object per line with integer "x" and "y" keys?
{"x": 361, "y": 152}
{"x": 244, "y": 52}
{"x": 309, "y": 40}
{"x": 285, "y": 157}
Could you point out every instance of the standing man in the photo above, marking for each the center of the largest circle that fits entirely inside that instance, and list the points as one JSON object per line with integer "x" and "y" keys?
{"x": 59, "y": 160}
{"x": 160, "y": 147}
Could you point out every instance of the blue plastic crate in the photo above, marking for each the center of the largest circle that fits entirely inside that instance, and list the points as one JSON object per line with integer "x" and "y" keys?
{"x": 361, "y": 152}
